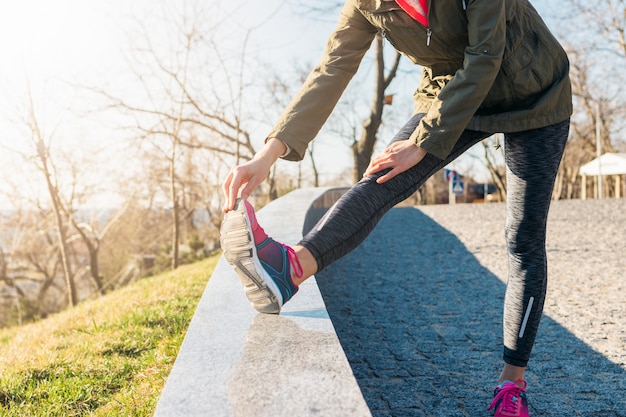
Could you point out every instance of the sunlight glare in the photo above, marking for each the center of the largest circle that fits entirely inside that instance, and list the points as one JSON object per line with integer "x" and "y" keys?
{"x": 41, "y": 39}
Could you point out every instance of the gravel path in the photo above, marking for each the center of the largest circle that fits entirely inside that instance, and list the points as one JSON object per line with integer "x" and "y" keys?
{"x": 418, "y": 310}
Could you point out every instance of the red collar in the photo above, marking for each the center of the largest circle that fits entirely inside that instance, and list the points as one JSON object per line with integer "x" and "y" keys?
{"x": 417, "y": 9}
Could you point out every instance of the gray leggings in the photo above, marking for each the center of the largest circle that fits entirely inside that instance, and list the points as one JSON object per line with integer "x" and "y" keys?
{"x": 532, "y": 160}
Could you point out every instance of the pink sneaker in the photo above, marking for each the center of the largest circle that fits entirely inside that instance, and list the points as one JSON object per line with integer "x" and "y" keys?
{"x": 510, "y": 399}
{"x": 263, "y": 264}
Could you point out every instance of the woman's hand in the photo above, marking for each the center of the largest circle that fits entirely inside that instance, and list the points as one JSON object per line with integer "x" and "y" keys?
{"x": 251, "y": 174}
{"x": 399, "y": 156}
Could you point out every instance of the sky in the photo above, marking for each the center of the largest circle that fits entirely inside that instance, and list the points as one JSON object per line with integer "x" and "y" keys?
{"x": 49, "y": 46}
{"x": 59, "y": 37}
{"x": 50, "y": 43}
{"x": 46, "y": 46}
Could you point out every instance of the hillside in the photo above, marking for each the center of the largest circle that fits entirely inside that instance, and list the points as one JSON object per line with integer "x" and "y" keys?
{"x": 106, "y": 357}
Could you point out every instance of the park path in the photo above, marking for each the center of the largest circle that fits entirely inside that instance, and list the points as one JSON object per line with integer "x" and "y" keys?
{"x": 417, "y": 308}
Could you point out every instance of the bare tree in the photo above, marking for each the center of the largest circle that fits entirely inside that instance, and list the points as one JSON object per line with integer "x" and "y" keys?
{"x": 316, "y": 173}
{"x": 598, "y": 53}
{"x": 281, "y": 88}
{"x": 605, "y": 24}
{"x": 362, "y": 149}
{"x": 493, "y": 162}
{"x": 52, "y": 228}
{"x": 185, "y": 109}
{"x": 32, "y": 256}
{"x": 6, "y": 281}
{"x": 47, "y": 169}
{"x": 583, "y": 144}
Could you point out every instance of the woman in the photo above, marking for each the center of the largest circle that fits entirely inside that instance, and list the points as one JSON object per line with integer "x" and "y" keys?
{"x": 488, "y": 66}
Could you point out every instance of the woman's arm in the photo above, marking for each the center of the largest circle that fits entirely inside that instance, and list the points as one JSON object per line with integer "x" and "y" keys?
{"x": 318, "y": 96}
{"x": 309, "y": 110}
{"x": 461, "y": 97}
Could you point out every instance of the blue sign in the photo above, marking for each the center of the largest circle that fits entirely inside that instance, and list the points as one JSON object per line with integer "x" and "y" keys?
{"x": 458, "y": 187}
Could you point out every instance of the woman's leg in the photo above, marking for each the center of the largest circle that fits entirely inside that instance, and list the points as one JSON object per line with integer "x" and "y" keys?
{"x": 271, "y": 272}
{"x": 357, "y": 212}
{"x": 532, "y": 161}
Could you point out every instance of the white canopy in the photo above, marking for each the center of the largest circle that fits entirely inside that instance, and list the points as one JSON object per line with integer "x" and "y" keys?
{"x": 607, "y": 164}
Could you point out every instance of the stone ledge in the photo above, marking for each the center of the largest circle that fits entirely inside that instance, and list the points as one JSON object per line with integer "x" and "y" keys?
{"x": 237, "y": 362}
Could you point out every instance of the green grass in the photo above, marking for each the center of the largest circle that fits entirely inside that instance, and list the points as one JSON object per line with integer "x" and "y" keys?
{"x": 106, "y": 357}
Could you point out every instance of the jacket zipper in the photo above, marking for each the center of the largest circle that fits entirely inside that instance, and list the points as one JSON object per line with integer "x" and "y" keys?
{"x": 429, "y": 31}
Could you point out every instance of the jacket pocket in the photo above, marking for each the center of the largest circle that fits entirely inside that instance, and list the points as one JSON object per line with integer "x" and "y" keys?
{"x": 526, "y": 72}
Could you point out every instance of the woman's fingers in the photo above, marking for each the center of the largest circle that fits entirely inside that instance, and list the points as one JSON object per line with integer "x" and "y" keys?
{"x": 399, "y": 156}
{"x": 226, "y": 187}
{"x": 378, "y": 163}
{"x": 389, "y": 175}
{"x": 248, "y": 175}
{"x": 235, "y": 179}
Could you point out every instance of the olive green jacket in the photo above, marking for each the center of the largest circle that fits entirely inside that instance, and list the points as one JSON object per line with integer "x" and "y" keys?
{"x": 488, "y": 65}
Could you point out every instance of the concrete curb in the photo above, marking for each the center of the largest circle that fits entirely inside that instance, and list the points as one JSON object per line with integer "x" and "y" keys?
{"x": 236, "y": 362}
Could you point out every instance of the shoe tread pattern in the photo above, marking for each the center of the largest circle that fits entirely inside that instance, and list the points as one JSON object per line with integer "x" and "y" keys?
{"x": 238, "y": 246}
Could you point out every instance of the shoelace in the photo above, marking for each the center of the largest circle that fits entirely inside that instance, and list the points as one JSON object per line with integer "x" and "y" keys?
{"x": 509, "y": 394}
{"x": 294, "y": 261}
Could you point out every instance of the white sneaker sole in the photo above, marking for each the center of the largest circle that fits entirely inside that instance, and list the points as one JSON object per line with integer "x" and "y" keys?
{"x": 239, "y": 249}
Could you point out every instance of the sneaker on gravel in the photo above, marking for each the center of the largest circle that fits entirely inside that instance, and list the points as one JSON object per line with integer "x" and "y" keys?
{"x": 510, "y": 399}
{"x": 263, "y": 264}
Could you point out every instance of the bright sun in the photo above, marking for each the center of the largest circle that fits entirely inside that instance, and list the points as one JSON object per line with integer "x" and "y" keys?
{"x": 42, "y": 39}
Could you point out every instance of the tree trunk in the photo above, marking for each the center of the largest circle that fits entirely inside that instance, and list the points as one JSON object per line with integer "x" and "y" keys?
{"x": 316, "y": 174}
{"x": 72, "y": 295}
{"x": 57, "y": 208}
{"x": 271, "y": 180}
{"x": 175, "y": 209}
{"x": 363, "y": 149}
{"x": 94, "y": 268}
{"x": 497, "y": 177}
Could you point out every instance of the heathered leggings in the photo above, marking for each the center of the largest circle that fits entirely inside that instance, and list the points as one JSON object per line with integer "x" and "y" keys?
{"x": 532, "y": 159}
